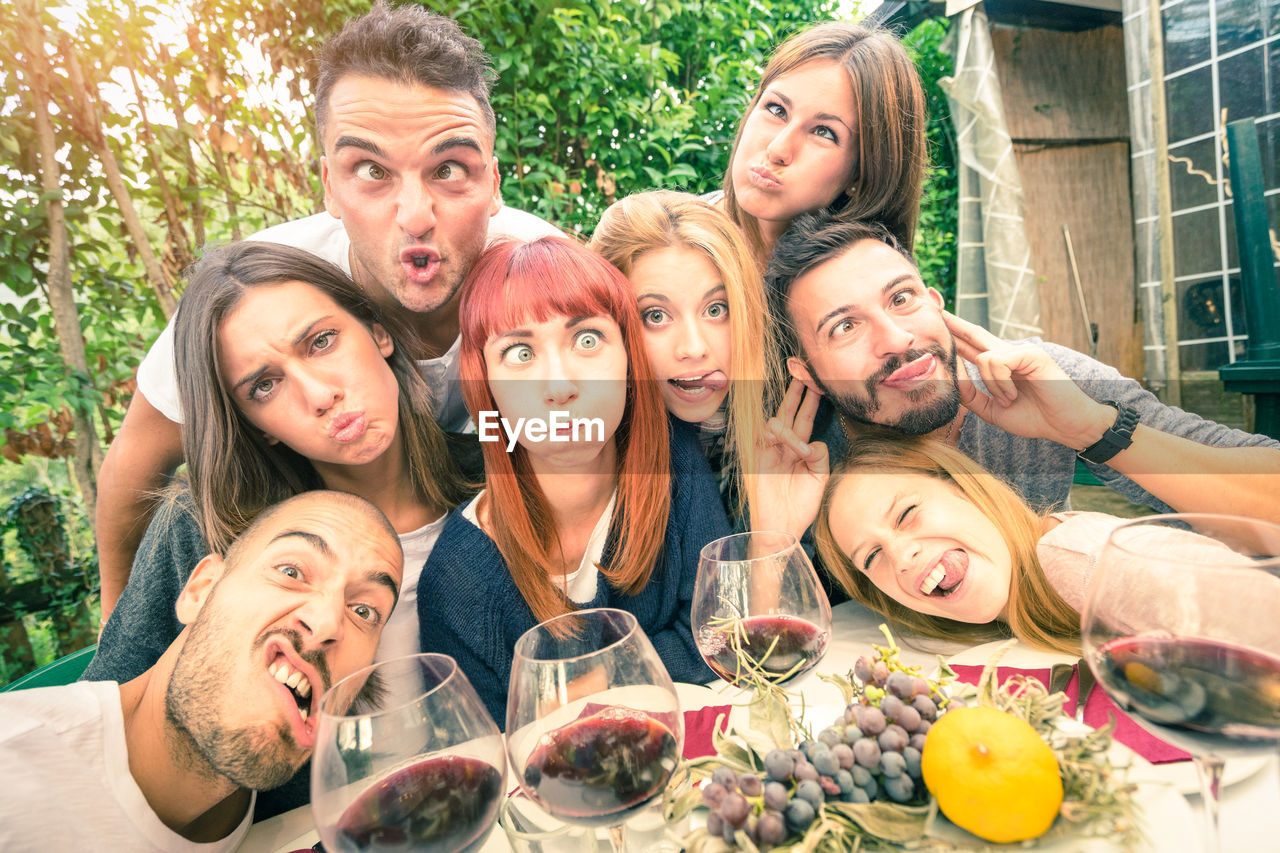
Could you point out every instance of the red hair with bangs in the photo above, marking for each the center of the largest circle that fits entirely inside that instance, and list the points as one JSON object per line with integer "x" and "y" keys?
{"x": 513, "y": 283}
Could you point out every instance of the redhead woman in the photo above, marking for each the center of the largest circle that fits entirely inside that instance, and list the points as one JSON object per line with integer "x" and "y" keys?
{"x": 837, "y": 124}
{"x": 293, "y": 382}
{"x": 591, "y": 498}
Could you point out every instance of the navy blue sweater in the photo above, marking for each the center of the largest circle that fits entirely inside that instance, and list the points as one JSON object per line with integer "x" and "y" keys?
{"x": 470, "y": 608}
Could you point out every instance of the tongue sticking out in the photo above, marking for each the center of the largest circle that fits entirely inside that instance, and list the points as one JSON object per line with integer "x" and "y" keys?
{"x": 713, "y": 381}
{"x": 956, "y": 564}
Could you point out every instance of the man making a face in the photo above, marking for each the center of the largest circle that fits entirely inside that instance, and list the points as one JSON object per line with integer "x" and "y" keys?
{"x": 173, "y": 757}
{"x": 860, "y": 327}
{"x": 411, "y": 193}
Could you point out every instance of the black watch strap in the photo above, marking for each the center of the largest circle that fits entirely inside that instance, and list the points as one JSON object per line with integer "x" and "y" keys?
{"x": 1117, "y": 437}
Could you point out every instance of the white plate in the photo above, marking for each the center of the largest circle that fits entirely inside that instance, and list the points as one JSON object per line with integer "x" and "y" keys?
{"x": 1181, "y": 775}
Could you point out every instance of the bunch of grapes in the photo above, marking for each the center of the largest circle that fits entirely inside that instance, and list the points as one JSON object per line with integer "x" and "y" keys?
{"x": 746, "y": 802}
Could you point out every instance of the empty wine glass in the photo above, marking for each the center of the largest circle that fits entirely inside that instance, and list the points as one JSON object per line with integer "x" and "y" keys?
{"x": 758, "y": 605}
{"x": 427, "y": 776}
{"x": 1180, "y": 628}
{"x": 594, "y": 728}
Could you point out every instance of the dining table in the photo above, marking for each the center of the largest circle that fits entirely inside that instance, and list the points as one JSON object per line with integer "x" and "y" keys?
{"x": 1250, "y": 798}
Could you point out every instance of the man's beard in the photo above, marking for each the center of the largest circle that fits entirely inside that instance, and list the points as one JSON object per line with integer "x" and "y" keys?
{"x": 260, "y": 756}
{"x": 939, "y": 400}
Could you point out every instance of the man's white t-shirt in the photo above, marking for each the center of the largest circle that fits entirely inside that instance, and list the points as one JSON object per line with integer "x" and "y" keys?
{"x": 323, "y": 236}
{"x": 64, "y": 773}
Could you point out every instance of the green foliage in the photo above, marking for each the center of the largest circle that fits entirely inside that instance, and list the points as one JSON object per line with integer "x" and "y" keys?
{"x": 935, "y": 247}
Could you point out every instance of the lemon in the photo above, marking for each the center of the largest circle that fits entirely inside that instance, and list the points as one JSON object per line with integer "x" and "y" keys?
{"x": 992, "y": 774}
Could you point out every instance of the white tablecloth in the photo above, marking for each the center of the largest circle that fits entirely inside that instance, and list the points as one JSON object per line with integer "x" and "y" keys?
{"x": 1250, "y": 808}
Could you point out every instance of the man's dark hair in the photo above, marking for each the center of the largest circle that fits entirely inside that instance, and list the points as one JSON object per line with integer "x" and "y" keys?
{"x": 409, "y": 45}
{"x": 812, "y": 240}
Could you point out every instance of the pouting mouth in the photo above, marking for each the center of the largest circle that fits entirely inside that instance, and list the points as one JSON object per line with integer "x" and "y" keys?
{"x": 419, "y": 257}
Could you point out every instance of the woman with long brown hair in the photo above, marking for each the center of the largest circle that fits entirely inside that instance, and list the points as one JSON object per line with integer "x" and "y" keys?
{"x": 837, "y": 124}
{"x": 592, "y": 499}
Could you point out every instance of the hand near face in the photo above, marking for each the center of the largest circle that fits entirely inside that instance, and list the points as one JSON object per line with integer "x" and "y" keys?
{"x": 1027, "y": 393}
{"x": 793, "y": 471}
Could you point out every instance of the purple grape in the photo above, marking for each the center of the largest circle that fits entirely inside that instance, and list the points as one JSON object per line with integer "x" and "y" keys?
{"x": 919, "y": 687}
{"x": 830, "y": 736}
{"x": 872, "y": 789}
{"x": 750, "y": 785}
{"x": 862, "y": 669}
{"x": 725, "y": 777}
{"x": 892, "y": 764}
{"x": 713, "y": 794}
{"x": 844, "y": 779}
{"x": 924, "y": 727}
{"x": 899, "y": 684}
{"x": 715, "y": 823}
{"x": 735, "y": 808}
{"x": 890, "y": 705}
{"x": 880, "y": 672}
{"x": 776, "y": 796}
{"x": 800, "y": 813}
{"x": 843, "y": 754}
{"x": 925, "y": 707}
{"x": 872, "y": 721}
{"x": 826, "y": 763}
{"x": 729, "y": 834}
{"x": 893, "y": 739}
{"x": 899, "y": 788}
{"x": 779, "y": 765}
{"x": 857, "y": 795}
{"x": 806, "y": 772}
{"x": 861, "y": 775}
{"x": 866, "y": 752}
{"x": 917, "y": 741}
{"x": 909, "y": 718}
{"x": 851, "y": 734}
{"x": 811, "y": 791}
{"x": 771, "y": 828}
{"x": 911, "y": 756}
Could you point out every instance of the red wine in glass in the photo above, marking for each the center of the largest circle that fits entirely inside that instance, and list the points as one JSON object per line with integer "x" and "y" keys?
{"x": 599, "y": 769}
{"x": 1201, "y": 695}
{"x": 784, "y": 647}
{"x": 445, "y": 804}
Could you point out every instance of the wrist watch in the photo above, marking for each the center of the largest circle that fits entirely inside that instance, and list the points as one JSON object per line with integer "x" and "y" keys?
{"x": 1117, "y": 437}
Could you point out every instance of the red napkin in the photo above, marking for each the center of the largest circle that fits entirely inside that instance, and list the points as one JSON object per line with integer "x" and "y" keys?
{"x": 698, "y": 728}
{"x": 1096, "y": 710}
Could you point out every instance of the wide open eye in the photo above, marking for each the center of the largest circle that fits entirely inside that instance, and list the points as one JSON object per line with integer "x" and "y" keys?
{"x": 588, "y": 339}
{"x": 517, "y": 354}
{"x": 370, "y": 171}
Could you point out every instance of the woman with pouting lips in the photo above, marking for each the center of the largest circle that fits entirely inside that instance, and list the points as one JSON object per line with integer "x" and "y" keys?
{"x": 837, "y": 124}
{"x": 291, "y": 381}
{"x": 613, "y": 515}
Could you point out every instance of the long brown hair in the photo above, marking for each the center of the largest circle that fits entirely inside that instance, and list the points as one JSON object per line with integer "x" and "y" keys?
{"x": 234, "y": 472}
{"x": 515, "y": 282}
{"x": 888, "y": 175}
{"x": 1036, "y": 614}
{"x": 659, "y": 219}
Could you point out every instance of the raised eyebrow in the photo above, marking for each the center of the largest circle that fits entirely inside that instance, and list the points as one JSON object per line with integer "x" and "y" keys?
{"x": 384, "y": 579}
{"x": 833, "y": 118}
{"x": 658, "y": 296}
{"x": 297, "y": 339}
{"x": 774, "y": 93}
{"x": 313, "y": 539}
{"x": 360, "y": 143}
{"x": 452, "y": 142}
{"x": 832, "y": 314}
{"x": 906, "y": 276}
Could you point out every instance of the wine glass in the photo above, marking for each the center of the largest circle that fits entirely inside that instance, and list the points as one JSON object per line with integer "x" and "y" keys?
{"x": 594, "y": 728}
{"x": 427, "y": 776}
{"x": 1180, "y": 628}
{"x": 758, "y": 605}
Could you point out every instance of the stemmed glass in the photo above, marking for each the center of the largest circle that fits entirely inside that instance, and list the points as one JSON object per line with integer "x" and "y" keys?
{"x": 1180, "y": 629}
{"x": 427, "y": 776}
{"x": 594, "y": 729}
{"x": 758, "y": 605}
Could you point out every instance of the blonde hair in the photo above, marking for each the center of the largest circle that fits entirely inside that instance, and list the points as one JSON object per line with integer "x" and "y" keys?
{"x": 661, "y": 219}
{"x": 1035, "y": 613}
{"x": 888, "y": 175}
